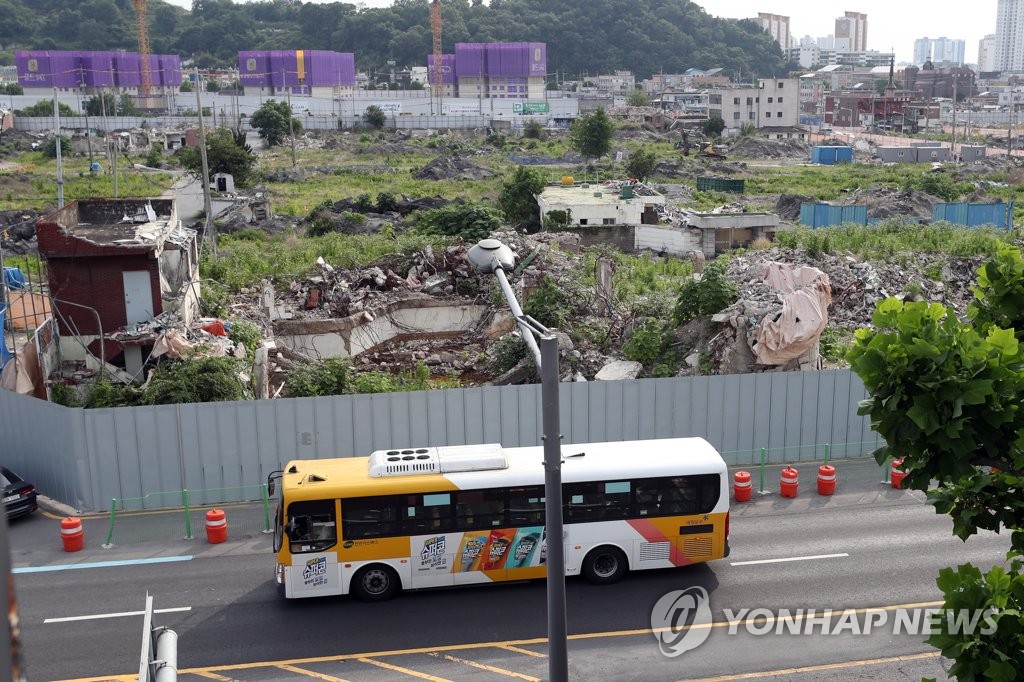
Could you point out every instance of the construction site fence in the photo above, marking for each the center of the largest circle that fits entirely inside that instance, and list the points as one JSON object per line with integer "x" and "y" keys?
{"x": 249, "y": 511}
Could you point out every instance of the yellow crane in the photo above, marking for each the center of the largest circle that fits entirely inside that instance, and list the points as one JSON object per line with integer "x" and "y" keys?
{"x": 146, "y": 86}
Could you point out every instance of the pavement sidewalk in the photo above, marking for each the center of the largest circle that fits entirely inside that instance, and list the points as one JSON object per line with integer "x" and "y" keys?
{"x": 35, "y": 540}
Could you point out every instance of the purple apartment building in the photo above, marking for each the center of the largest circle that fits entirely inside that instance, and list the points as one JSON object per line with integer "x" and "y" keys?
{"x": 43, "y": 71}
{"x": 497, "y": 70}
{"x": 319, "y": 73}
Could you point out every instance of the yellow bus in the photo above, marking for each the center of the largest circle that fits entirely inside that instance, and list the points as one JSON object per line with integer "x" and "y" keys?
{"x": 442, "y": 516}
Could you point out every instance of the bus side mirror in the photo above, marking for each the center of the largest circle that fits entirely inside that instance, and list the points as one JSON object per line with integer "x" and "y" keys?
{"x": 271, "y": 488}
{"x": 272, "y": 481}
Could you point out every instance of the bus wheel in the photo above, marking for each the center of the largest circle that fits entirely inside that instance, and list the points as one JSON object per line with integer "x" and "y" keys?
{"x": 605, "y": 565}
{"x": 375, "y": 583}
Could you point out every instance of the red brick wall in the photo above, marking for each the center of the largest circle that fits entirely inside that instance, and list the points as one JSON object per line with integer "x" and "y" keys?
{"x": 96, "y": 282}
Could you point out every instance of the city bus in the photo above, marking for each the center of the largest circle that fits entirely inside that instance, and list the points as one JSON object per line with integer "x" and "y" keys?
{"x": 455, "y": 515}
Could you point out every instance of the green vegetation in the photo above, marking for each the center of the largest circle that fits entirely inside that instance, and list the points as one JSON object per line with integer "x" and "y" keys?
{"x": 705, "y": 296}
{"x": 641, "y": 163}
{"x": 50, "y": 148}
{"x": 638, "y": 98}
{"x": 591, "y": 135}
{"x": 44, "y": 107}
{"x": 274, "y": 122}
{"x": 549, "y": 304}
{"x": 652, "y": 345}
{"x": 713, "y": 127}
{"x": 330, "y": 377}
{"x": 335, "y": 376}
{"x": 245, "y": 333}
{"x": 893, "y": 238}
{"x": 517, "y": 192}
{"x": 945, "y": 396}
{"x": 471, "y": 221}
{"x": 374, "y": 117}
{"x": 205, "y": 380}
{"x": 224, "y": 154}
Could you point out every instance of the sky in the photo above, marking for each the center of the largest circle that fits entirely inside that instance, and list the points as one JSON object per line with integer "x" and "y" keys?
{"x": 892, "y": 24}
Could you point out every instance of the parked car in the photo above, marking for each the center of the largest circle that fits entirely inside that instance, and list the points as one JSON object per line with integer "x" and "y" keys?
{"x": 19, "y": 494}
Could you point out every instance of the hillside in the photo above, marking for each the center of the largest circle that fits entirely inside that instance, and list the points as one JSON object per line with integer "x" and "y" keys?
{"x": 644, "y": 36}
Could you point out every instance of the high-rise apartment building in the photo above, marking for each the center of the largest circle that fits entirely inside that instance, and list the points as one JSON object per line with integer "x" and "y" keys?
{"x": 939, "y": 51}
{"x": 852, "y": 32}
{"x": 922, "y": 51}
{"x": 777, "y": 26}
{"x": 987, "y": 53}
{"x": 1009, "y": 43}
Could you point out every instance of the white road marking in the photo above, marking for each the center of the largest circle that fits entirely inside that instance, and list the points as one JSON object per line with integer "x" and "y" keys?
{"x": 115, "y": 615}
{"x": 792, "y": 558}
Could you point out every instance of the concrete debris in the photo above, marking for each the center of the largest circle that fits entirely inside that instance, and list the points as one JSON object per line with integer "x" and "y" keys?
{"x": 452, "y": 168}
{"x": 619, "y": 370}
{"x": 886, "y": 202}
{"x": 759, "y": 147}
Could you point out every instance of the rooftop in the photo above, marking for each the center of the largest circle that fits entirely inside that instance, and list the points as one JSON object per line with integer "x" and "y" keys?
{"x": 585, "y": 194}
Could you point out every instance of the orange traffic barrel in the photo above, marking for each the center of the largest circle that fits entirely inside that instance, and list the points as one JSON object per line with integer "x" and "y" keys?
{"x": 897, "y": 474}
{"x": 826, "y": 479}
{"x": 790, "y": 482}
{"x": 742, "y": 488}
{"x": 72, "y": 534}
{"x": 216, "y": 526}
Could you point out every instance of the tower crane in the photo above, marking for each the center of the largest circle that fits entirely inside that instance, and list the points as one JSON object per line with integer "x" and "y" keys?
{"x": 146, "y": 87}
{"x": 435, "y": 29}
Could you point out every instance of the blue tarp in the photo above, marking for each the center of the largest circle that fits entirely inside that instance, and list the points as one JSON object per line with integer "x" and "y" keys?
{"x": 4, "y": 354}
{"x": 14, "y": 278}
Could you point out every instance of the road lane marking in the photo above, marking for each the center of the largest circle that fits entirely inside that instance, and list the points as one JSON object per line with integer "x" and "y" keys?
{"x": 214, "y": 676}
{"x": 489, "y": 668}
{"x": 366, "y": 656}
{"x": 404, "y": 671}
{"x": 792, "y": 558}
{"x": 98, "y": 616}
{"x": 813, "y": 668}
{"x": 101, "y": 564}
{"x": 515, "y": 649}
{"x": 310, "y": 673}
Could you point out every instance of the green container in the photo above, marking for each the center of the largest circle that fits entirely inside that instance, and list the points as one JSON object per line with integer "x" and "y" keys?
{"x": 707, "y": 183}
{"x": 626, "y": 193}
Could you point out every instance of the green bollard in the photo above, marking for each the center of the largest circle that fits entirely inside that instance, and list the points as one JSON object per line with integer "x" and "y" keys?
{"x": 764, "y": 453}
{"x": 110, "y": 533}
{"x": 188, "y": 515}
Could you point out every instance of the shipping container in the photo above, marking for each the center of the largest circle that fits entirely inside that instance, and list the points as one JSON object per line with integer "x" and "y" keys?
{"x": 830, "y": 155}
{"x": 708, "y": 183}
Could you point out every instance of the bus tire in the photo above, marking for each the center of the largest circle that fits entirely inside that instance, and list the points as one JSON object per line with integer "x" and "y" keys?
{"x": 604, "y": 565}
{"x": 376, "y": 582}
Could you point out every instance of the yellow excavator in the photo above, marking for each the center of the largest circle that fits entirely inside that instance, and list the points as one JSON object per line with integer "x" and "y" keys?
{"x": 712, "y": 151}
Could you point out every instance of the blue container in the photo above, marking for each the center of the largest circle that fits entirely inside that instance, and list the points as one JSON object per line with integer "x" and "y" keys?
{"x": 830, "y": 155}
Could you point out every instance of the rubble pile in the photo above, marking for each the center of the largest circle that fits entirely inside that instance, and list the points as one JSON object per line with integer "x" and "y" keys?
{"x": 885, "y": 202}
{"x": 452, "y": 168}
{"x": 756, "y": 147}
{"x": 788, "y": 206}
{"x": 18, "y": 231}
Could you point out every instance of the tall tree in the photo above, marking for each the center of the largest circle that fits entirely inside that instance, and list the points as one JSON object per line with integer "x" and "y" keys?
{"x": 591, "y": 135}
{"x": 946, "y": 395}
{"x": 517, "y": 196}
{"x": 271, "y": 121}
{"x": 641, "y": 163}
{"x": 224, "y": 154}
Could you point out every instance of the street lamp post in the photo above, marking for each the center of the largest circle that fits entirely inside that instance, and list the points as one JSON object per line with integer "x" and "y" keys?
{"x": 491, "y": 256}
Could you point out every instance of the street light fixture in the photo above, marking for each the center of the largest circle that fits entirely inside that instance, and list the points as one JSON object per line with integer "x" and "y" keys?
{"x": 491, "y": 256}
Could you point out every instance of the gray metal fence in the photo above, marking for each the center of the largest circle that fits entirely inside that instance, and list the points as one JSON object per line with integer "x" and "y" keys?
{"x": 86, "y": 457}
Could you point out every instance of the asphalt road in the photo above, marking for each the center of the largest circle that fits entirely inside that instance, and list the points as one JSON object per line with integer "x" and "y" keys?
{"x": 893, "y": 542}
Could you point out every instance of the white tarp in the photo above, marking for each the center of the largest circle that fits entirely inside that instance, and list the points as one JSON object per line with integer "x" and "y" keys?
{"x": 804, "y": 313}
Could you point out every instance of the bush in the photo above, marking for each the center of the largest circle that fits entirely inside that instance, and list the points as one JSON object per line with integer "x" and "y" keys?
{"x": 706, "y": 296}
{"x": 213, "y": 299}
{"x": 386, "y": 201}
{"x": 496, "y": 140}
{"x": 364, "y": 202}
{"x": 330, "y": 377}
{"x": 549, "y": 304}
{"x": 205, "y": 380}
{"x": 472, "y": 221}
{"x": 533, "y": 130}
{"x": 508, "y": 352}
{"x": 245, "y": 333}
{"x": 648, "y": 343}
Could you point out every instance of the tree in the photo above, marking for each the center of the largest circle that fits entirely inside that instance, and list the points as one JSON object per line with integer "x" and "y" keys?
{"x": 517, "y": 195}
{"x": 126, "y": 106}
{"x": 533, "y": 130}
{"x": 186, "y": 86}
{"x": 591, "y": 135}
{"x": 638, "y": 98}
{"x": 713, "y": 127}
{"x": 641, "y": 163}
{"x": 271, "y": 121}
{"x": 945, "y": 395}
{"x": 11, "y": 89}
{"x": 415, "y": 85}
{"x": 44, "y": 107}
{"x": 374, "y": 117}
{"x": 225, "y": 153}
{"x": 212, "y": 86}
{"x": 103, "y": 103}
{"x": 50, "y": 148}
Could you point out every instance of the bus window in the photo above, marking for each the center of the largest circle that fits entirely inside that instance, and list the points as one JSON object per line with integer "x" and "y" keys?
{"x": 311, "y": 526}
{"x": 526, "y": 506}
{"x": 369, "y": 517}
{"x": 430, "y": 513}
{"x": 479, "y": 509}
{"x": 677, "y": 496}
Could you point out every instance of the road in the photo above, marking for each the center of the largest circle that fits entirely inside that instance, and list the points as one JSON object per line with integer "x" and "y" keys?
{"x": 874, "y": 548}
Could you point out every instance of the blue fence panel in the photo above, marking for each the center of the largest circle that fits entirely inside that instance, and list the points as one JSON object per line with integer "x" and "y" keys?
{"x": 974, "y": 215}
{"x": 824, "y": 215}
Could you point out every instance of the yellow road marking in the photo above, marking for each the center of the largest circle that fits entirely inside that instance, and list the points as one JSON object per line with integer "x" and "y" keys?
{"x": 310, "y": 673}
{"x": 515, "y": 649}
{"x": 489, "y": 668}
{"x": 214, "y": 676}
{"x": 404, "y": 671}
{"x": 484, "y": 645}
{"x": 814, "y": 668}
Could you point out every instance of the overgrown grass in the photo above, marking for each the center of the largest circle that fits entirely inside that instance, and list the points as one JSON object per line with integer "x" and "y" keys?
{"x": 638, "y": 276}
{"x": 243, "y": 262}
{"x": 833, "y": 182}
{"x": 894, "y": 238}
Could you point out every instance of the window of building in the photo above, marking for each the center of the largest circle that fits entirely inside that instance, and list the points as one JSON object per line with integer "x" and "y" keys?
{"x": 735, "y": 100}
{"x": 583, "y": 221}
{"x": 779, "y": 85}
{"x": 751, "y": 116}
{"x": 608, "y": 221}
{"x": 750, "y": 101}
{"x": 311, "y": 526}
{"x": 780, "y": 100}
{"x": 767, "y": 114}
{"x": 769, "y": 100}
{"x": 736, "y": 115}
{"x": 778, "y": 114}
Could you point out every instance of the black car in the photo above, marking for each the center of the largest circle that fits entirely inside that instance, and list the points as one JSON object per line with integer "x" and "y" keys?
{"x": 19, "y": 495}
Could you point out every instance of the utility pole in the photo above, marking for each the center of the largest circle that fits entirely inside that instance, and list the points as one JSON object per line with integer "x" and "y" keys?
{"x": 291, "y": 130}
{"x": 953, "y": 142}
{"x": 208, "y": 228}
{"x": 60, "y": 169}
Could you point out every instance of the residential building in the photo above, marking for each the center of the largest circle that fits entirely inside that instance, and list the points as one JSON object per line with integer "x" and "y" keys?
{"x": 1009, "y": 43}
{"x": 987, "y": 54}
{"x": 777, "y": 26}
{"x": 851, "y": 34}
{"x": 596, "y": 205}
{"x": 41, "y": 72}
{"x": 806, "y": 55}
{"x": 773, "y": 103}
{"x": 618, "y": 83}
{"x": 922, "y": 51}
{"x": 316, "y": 73}
{"x": 8, "y": 74}
{"x": 945, "y": 51}
{"x": 501, "y": 70}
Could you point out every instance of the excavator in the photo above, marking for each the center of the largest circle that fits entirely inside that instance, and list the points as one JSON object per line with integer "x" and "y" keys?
{"x": 712, "y": 151}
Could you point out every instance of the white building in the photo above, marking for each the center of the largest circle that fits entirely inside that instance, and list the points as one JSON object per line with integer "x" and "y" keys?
{"x": 805, "y": 55}
{"x": 987, "y": 53}
{"x": 773, "y": 103}
{"x": 1009, "y": 47}
{"x": 777, "y": 26}
{"x": 939, "y": 51}
{"x": 618, "y": 83}
{"x": 589, "y": 205}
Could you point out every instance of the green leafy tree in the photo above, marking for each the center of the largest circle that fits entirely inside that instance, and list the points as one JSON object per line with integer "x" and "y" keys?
{"x": 44, "y": 107}
{"x": 374, "y": 117}
{"x": 126, "y": 106}
{"x": 945, "y": 395}
{"x": 638, "y": 98}
{"x": 223, "y": 155}
{"x": 212, "y": 86}
{"x": 713, "y": 127}
{"x": 708, "y": 295}
{"x": 516, "y": 200}
{"x": 98, "y": 105}
{"x": 470, "y": 220}
{"x": 50, "y": 148}
{"x": 11, "y": 89}
{"x": 271, "y": 121}
{"x": 533, "y": 130}
{"x": 186, "y": 86}
{"x": 591, "y": 135}
{"x": 641, "y": 163}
